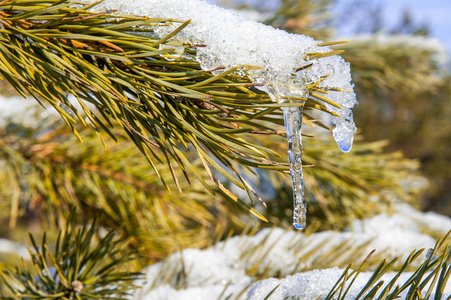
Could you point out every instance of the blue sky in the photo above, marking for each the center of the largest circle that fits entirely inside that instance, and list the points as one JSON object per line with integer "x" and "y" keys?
{"x": 437, "y": 13}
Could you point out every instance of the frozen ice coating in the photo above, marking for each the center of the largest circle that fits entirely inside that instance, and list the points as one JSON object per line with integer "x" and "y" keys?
{"x": 232, "y": 41}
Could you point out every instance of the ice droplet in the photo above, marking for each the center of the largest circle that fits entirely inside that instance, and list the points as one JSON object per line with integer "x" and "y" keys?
{"x": 429, "y": 254}
{"x": 344, "y": 136}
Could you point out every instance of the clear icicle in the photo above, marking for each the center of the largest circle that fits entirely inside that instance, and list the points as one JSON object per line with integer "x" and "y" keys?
{"x": 293, "y": 125}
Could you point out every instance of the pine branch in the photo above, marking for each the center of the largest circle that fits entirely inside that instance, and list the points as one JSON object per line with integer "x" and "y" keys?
{"x": 387, "y": 64}
{"x": 430, "y": 277}
{"x": 161, "y": 98}
{"x": 303, "y": 17}
{"x": 76, "y": 267}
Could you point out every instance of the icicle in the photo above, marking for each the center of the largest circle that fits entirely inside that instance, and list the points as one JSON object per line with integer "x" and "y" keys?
{"x": 293, "y": 125}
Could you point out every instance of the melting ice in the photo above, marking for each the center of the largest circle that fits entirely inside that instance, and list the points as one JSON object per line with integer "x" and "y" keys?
{"x": 234, "y": 41}
{"x": 293, "y": 125}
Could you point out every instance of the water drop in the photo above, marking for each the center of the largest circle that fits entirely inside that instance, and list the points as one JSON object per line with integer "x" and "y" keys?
{"x": 298, "y": 226}
{"x": 344, "y": 145}
{"x": 429, "y": 254}
{"x": 344, "y": 134}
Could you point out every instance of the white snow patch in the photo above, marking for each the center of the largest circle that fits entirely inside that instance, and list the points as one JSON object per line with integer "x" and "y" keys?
{"x": 395, "y": 235}
{"x": 28, "y": 113}
{"x": 20, "y": 111}
{"x": 257, "y": 16}
{"x": 316, "y": 284}
{"x": 431, "y": 220}
{"x": 8, "y": 246}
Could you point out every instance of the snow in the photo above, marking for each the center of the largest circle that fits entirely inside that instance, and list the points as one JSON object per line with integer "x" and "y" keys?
{"x": 394, "y": 235}
{"x": 309, "y": 285}
{"x": 20, "y": 111}
{"x": 8, "y": 246}
{"x": 254, "y": 15}
{"x": 316, "y": 284}
{"x": 28, "y": 113}
{"x": 166, "y": 292}
{"x": 227, "y": 267}
{"x": 431, "y": 220}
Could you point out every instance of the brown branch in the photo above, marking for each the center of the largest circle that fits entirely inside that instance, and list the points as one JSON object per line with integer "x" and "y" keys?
{"x": 304, "y": 67}
{"x": 253, "y": 84}
{"x": 129, "y": 126}
{"x": 215, "y": 69}
{"x": 281, "y": 133}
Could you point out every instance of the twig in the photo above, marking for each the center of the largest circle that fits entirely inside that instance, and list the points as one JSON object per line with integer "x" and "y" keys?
{"x": 215, "y": 69}
{"x": 129, "y": 126}
{"x": 281, "y": 132}
{"x": 253, "y": 84}
{"x": 303, "y": 67}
